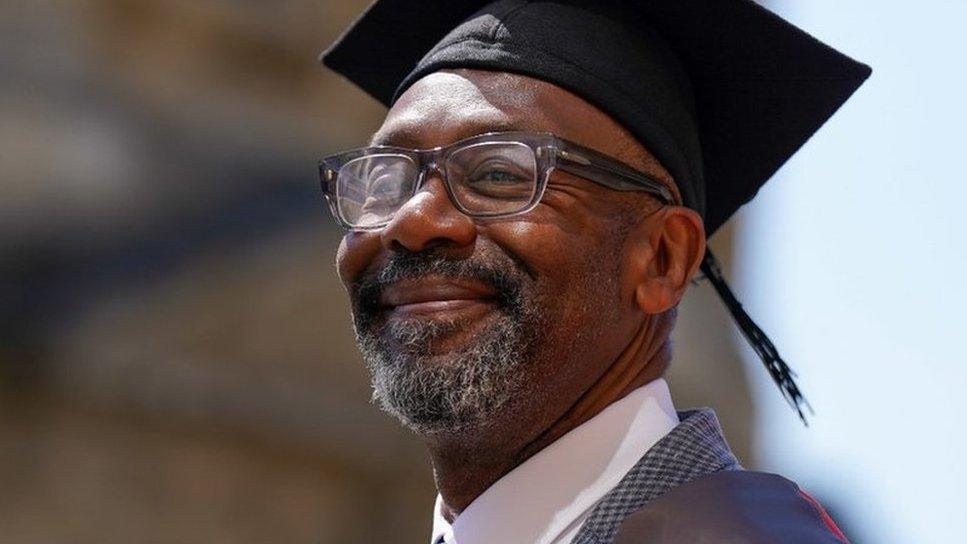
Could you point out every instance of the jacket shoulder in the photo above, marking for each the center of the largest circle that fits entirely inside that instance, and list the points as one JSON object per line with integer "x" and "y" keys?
{"x": 732, "y": 507}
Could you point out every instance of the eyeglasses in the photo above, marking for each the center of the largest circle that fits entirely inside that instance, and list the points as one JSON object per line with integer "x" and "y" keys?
{"x": 493, "y": 175}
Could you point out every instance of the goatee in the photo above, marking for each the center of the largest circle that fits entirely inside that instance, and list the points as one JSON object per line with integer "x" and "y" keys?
{"x": 457, "y": 390}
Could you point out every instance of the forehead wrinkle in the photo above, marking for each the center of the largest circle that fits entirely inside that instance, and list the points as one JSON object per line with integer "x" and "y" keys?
{"x": 413, "y": 133}
{"x": 450, "y": 105}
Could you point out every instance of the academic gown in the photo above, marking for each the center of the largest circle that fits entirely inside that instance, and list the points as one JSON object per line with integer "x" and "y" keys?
{"x": 732, "y": 507}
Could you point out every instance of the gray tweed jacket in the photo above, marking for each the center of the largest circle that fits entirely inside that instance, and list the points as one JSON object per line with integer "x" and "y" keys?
{"x": 694, "y": 448}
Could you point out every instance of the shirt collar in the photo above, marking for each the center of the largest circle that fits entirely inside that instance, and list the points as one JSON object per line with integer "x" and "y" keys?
{"x": 545, "y": 495}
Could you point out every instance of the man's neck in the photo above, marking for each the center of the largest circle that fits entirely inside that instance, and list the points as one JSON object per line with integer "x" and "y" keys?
{"x": 466, "y": 467}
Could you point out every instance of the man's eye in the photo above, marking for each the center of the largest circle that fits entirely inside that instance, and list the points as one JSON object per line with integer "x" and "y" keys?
{"x": 495, "y": 176}
{"x": 383, "y": 184}
{"x": 383, "y": 190}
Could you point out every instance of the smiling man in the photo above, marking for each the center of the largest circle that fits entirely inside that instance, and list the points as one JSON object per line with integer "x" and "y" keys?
{"x": 519, "y": 234}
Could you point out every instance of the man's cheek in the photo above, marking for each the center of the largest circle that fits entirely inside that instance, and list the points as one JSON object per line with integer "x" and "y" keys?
{"x": 357, "y": 252}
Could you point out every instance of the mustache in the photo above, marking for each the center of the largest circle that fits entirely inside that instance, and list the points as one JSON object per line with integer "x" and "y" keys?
{"x": 504, "y": 277}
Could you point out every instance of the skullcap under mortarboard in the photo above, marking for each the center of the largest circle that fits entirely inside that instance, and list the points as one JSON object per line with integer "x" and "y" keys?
{"x": 722, "y": 92}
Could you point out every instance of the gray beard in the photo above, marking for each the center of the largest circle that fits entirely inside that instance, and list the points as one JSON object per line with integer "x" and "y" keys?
{"x": 463, "y": 389}
{"x": 446, "y": 393}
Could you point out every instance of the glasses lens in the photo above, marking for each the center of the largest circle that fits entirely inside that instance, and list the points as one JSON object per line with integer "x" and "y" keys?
{"x": 493, "y": 178}
{"x": 370, "y": 189}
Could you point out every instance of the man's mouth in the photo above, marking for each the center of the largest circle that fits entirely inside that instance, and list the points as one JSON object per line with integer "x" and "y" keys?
{"x": 437, "y": 297}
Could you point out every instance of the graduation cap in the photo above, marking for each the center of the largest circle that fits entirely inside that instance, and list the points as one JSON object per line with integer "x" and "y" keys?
{"x": 721, "y": 92}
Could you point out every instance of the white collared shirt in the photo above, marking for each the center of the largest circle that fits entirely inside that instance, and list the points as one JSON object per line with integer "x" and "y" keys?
{"x": 547, "y": 498}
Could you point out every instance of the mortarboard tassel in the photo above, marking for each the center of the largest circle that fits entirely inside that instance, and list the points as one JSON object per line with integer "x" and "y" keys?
{"x": 778, "y": 369}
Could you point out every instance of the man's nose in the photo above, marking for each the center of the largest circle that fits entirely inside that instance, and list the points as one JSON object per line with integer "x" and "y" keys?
{"x": 427, "y": 220}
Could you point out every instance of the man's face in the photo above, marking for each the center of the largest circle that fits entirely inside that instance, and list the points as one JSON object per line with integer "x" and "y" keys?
{"x": 472, "y": 325}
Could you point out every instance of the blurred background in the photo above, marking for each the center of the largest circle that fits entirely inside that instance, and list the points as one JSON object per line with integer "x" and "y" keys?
{"x": 176, "y": 357}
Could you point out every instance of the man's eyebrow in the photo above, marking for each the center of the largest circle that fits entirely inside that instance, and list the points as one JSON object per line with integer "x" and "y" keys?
{"x": 404, "y": 137}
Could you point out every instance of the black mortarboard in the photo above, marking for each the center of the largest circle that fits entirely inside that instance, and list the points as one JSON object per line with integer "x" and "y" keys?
{"x": 722, "y": 92}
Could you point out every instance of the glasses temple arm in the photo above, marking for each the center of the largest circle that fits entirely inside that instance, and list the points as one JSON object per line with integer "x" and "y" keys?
{"x": 589, "y": 164}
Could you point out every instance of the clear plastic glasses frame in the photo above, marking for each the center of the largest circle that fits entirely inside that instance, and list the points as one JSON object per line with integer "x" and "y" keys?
{"x": 535, "y": 155}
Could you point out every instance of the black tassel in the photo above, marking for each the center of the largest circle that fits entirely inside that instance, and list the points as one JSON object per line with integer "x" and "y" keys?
{"x": 778, "y": 369}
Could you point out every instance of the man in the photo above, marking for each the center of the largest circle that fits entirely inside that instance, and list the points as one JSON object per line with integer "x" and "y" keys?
{"x": 521, "y": 230}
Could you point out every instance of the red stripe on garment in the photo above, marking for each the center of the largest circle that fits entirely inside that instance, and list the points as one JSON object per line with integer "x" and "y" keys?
{"x": 827, "y": 519}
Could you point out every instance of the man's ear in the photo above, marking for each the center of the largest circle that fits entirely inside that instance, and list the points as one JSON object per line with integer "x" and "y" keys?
{"x": 662, "y": 255}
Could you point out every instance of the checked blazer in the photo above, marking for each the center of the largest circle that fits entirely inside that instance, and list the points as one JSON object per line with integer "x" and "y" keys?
{"x": 695, "y": 447}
